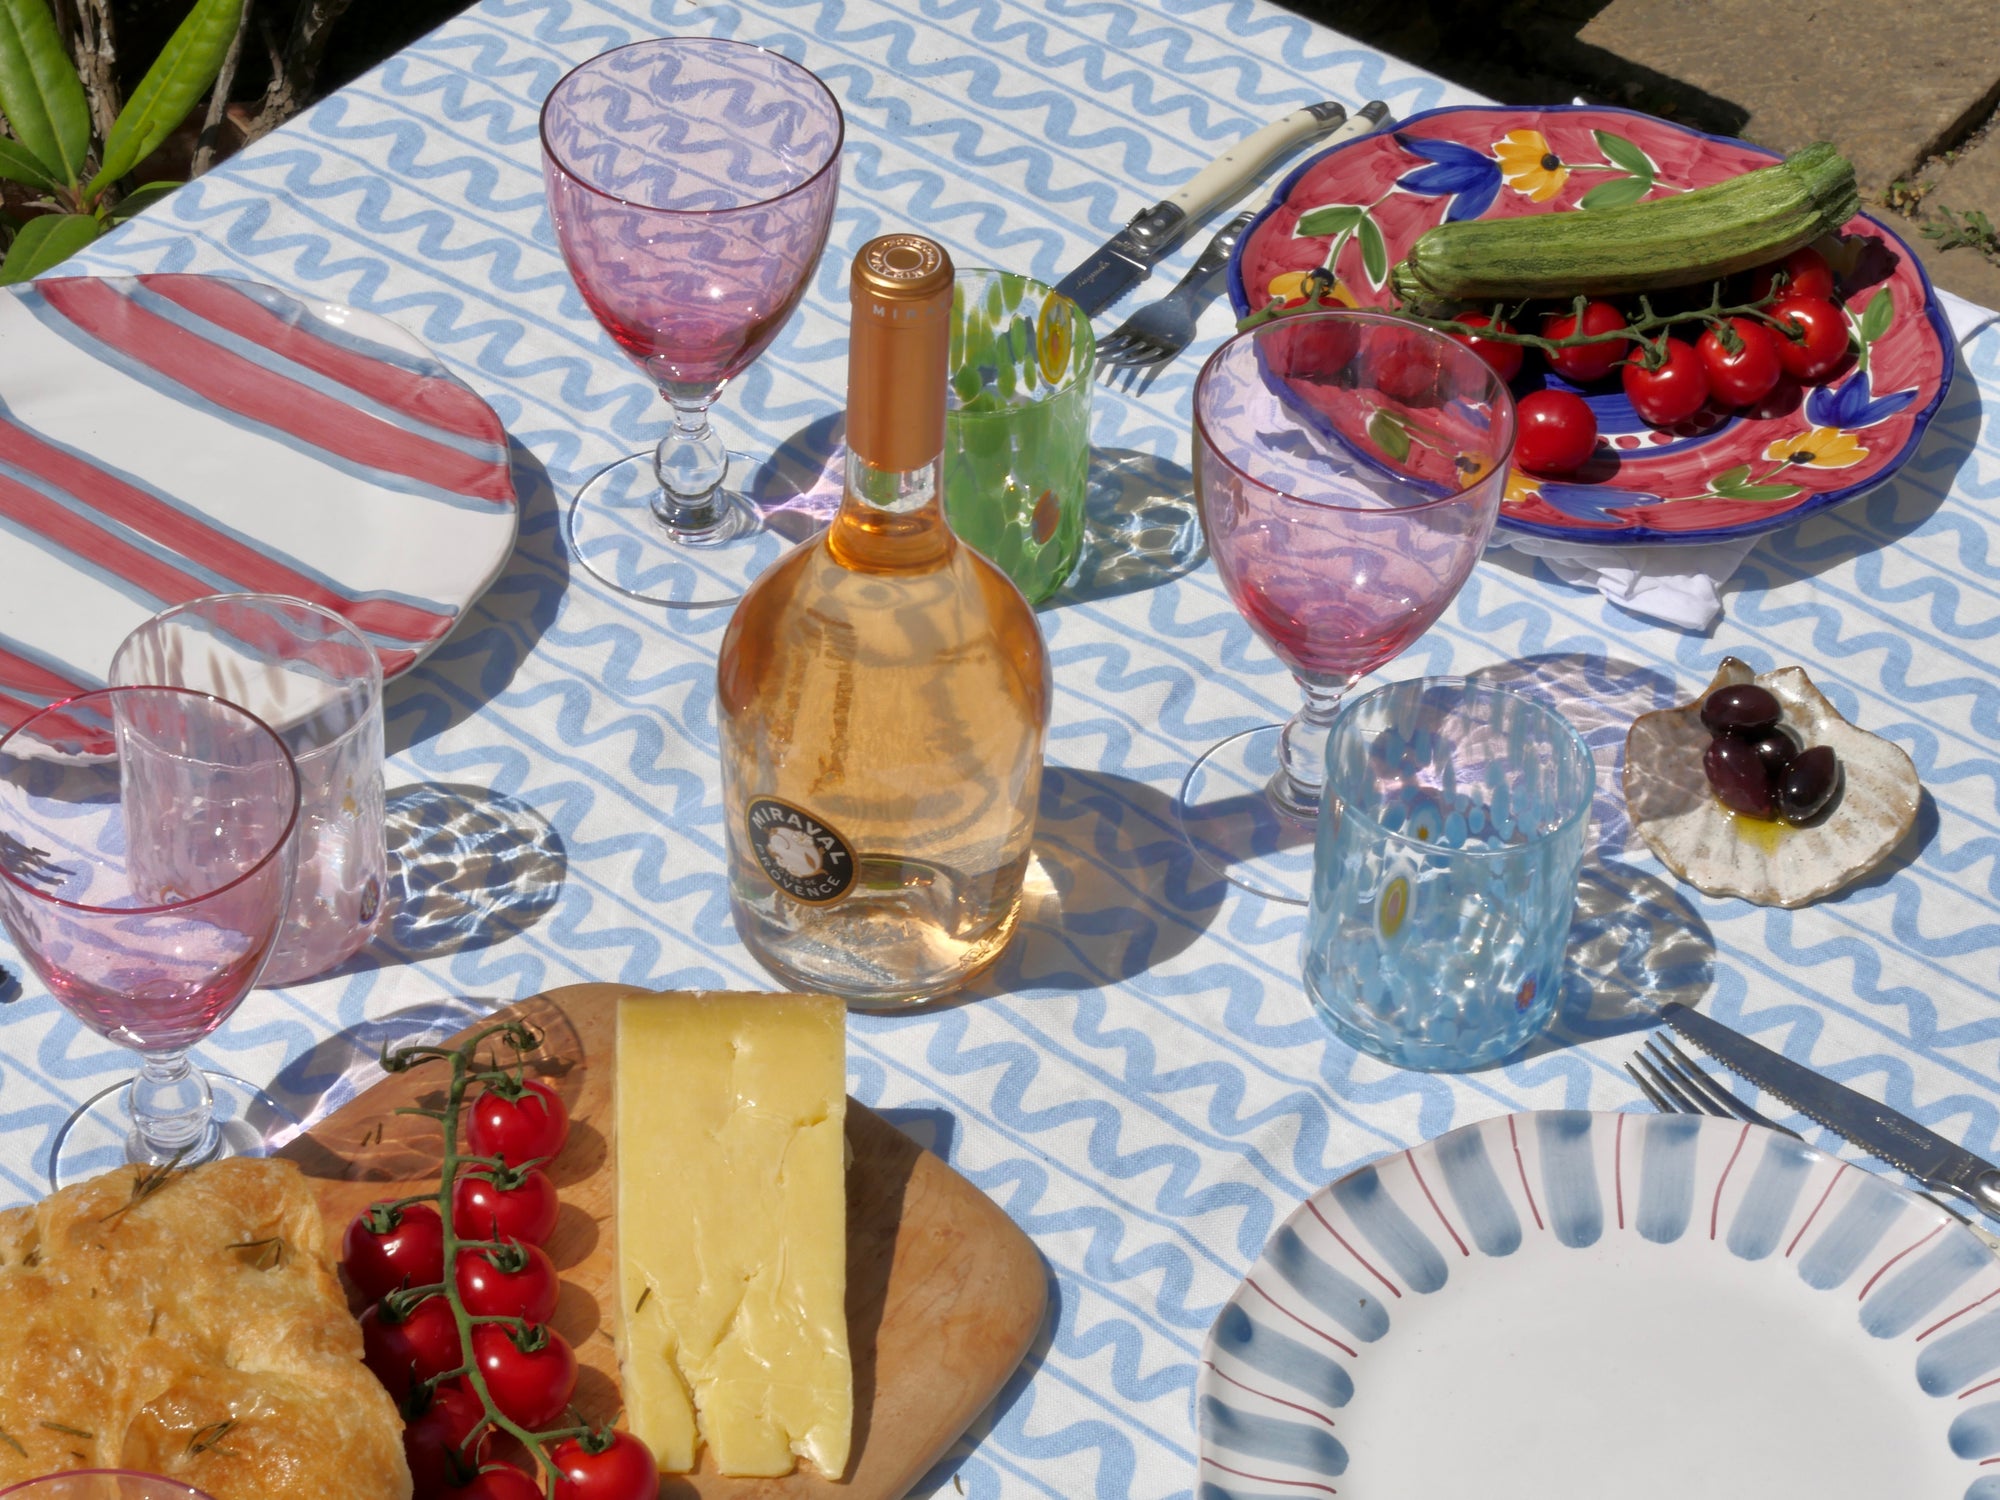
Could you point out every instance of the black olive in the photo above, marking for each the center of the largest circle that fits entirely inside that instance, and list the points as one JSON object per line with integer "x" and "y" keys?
{"x": 1737, "y": 773}
{"x": 1775, "y": 747}
{"x": 1745, "y": 708}
{"x": 1808, "y": 784}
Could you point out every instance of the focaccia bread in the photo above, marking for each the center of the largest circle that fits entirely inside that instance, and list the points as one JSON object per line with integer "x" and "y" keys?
{"x": 189, "y": 1325}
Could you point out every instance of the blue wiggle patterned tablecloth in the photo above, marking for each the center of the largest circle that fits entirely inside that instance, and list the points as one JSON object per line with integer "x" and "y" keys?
{"x": 1141, "y": 1082}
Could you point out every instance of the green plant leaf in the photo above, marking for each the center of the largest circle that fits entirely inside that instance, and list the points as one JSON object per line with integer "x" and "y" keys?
{"x": 140, "y": 199}
{"x": 1337, "y": 219}
{"x": 1374, "y": 253}
{"x": 1616, "y": 193}
{"x": 19, "y": 164}
{"x": 180, "y": 75}
{"x": 1622, "y": 153}
{"x": 1388, "y": 433}
{"x": 43, "y": 242}
{"x": 1877, "y": 316}
{"x": 40, "y": 94}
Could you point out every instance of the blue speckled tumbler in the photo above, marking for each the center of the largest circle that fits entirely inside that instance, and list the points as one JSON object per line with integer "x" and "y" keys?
{"x": 1445, "y": 870}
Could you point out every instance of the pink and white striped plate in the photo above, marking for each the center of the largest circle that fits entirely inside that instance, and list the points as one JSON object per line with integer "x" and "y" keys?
{"x": 166, "y": 437}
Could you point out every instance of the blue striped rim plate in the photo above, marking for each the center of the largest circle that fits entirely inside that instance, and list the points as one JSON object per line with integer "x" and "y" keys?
{"x": 166, "y": 437}
{"x": 1565, "y": 1305}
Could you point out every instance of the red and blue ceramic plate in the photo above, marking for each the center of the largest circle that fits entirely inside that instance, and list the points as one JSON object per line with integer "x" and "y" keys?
{"x": 1358, "y": 207}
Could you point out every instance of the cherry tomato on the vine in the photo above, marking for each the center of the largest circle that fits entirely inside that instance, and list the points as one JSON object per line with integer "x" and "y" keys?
{"x": 1586, "y": 362}
{"x": 504, "y": 1204}
{"x": 386, "y": 1248}
{"x": 1806, "y": 271}
{"x": 517, "y": 1282}
{"x": 1503, "y": 357}
{"x": 530, "y": 1385}
{"x": 1822, "y": 341}
{"x": 1670, "y": 393}
{"x": 1402, "y": 364}
{"x": 1555, "y": 432}
{"x": 517, "y": 1123}
{"x": 620, "y": 1468}
{"x": 404, "y": 1352}
{"x": 1741, "y": 369}
{"x": 504, "y": 1482}
{"x": 434, "y": 1439}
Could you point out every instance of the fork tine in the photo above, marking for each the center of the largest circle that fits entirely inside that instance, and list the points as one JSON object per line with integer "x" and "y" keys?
{"x": 1658, "y": 1099}
{"x": 1682, "y": 1104}
{"x": 1727, "y": 1095}
{"x": 1715, "y": 1099}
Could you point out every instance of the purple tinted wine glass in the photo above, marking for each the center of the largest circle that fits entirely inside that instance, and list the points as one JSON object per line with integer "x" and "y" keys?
{"x": 1349, "y": 468}
{"x": 145, "y": 865}
{"x": 692, "y": 183}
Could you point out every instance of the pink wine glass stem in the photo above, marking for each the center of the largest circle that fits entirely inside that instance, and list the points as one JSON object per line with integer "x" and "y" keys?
{"x": 1302, "y": 748}
{"x": 690, "y": 463}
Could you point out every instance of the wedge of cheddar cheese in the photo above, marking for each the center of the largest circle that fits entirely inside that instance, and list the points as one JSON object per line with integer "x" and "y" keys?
{"x": 732, "y": 1229}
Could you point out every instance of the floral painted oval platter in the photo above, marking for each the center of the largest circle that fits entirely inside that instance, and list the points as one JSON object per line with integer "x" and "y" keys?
{"x": 1359, "y": 206}
{"x": 1652, "y": 1307}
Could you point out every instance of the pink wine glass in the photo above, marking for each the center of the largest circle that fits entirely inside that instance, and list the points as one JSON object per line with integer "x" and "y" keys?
{"x": 102, "y": 1484}
{"x": 145, "y": 865}
{"x": 1349, "y": 468}
{"x": 692, "y": 183}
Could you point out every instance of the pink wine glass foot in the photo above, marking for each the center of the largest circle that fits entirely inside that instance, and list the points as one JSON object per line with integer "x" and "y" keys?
{"x": 145, "y": 865}
{"x": 691, "y": 181}
{"x": 1349, "y": 468}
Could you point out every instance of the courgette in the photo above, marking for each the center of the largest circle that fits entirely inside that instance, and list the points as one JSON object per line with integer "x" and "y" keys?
{"x": 1691, "y": 237}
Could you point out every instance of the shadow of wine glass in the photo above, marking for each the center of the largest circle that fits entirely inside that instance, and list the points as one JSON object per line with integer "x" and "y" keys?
{"x": 1141, "y": 527}
{"x": 797, "y": 488}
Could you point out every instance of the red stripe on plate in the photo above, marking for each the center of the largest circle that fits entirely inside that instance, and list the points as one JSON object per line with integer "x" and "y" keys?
{"x": 1296, "y": 1484}
{"x": 191, "y": 537}
{"x": 442, "y": 403}
{"x": 66, "y": 528}
{"x": 20, "y": 675}
{"x": 250, "y": 391}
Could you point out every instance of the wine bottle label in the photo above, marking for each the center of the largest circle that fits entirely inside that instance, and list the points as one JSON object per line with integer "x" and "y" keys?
{"x": 803, "y": 856}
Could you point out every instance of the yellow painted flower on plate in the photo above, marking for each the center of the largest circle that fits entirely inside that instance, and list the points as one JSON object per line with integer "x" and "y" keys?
{"x": 1528, "y": 166}
{"x": 1291, "y": 287}
{"x": 1822, "y": 448}
{"x": 1520, "y": 488}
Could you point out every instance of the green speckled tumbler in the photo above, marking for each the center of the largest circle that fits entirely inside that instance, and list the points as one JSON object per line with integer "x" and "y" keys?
{"x": 1017, "y": 426}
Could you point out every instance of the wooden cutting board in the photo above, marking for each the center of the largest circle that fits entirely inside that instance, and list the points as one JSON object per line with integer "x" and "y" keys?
{"x": 944, "y": 1291}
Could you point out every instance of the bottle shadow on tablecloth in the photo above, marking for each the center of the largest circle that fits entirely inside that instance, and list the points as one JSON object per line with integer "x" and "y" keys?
{"x": 1636, "y": 941}
{"x": 499, "y": 631}
{"x": 1112, "y": 890}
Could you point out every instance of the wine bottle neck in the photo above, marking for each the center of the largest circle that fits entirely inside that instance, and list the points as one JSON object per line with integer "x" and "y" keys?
{"x": 890, "y": 519}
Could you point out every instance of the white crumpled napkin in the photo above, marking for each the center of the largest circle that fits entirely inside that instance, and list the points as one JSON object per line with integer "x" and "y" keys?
{"x": 1681, "y": 584}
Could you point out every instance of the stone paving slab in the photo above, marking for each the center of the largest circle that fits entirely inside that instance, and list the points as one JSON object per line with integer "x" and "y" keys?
{"x": 1970, "y": 180}
{"x": 1890, "y": 81}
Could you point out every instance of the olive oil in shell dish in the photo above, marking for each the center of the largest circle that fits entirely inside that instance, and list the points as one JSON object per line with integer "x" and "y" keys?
{"x": 1770, "y": 863}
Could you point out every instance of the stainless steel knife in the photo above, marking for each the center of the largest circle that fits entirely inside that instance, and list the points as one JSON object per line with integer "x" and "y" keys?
{"x": 1875, "y": 1128}
{"x": 1124, "y": 260}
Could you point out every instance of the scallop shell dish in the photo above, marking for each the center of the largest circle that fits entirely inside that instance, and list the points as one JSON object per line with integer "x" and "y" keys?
{"x": 1767, "y": 860}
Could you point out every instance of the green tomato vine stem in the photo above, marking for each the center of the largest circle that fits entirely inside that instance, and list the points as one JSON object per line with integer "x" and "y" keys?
{"x": 463, "y": 1075}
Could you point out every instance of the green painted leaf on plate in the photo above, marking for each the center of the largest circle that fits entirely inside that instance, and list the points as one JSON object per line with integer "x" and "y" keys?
{"x": 1388, "y": 433}
{"x": 1616, "y": 193}
{"x": 1877, "y": 315}
{"x": 1374, "y": 253}
{"x": 1622, "y": 153}
{"x": 1338, "y": 218}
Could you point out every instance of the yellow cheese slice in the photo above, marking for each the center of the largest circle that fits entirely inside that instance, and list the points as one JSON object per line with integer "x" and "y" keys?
{"x": 732, "y": 1229}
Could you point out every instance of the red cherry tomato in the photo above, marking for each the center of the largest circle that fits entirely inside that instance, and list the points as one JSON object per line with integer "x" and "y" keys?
{"x": 1822, "y": 341}
{"x": 407, "y": 1249}
{"x": 1673, "y": 392}
{"x": 622, "y": 1469}
{"x": 415, "y": 1349}
{"x": 517, "y": 1282}
{"x": 1311, "y": 346}
{"x": 1555, "y": 432}
{"x": 501, "y": 1482}
{"x": 1807, "y": 275}
{"x": 508, "y": 1205}
{"x": 531, "y": 1386}
{"x": 1744, "y": 375}
{"x": 1586, "y": 362}
{"x": 1403, "y": 365}
{"x": 1504, "y": 358}
{"x": 528, "y": 1126}
{"x": 434, "y": 1439}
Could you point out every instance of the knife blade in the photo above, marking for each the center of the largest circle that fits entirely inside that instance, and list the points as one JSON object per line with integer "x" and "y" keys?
{"x": 1877, "y": 1129}
{"x": 1124, "y": 260}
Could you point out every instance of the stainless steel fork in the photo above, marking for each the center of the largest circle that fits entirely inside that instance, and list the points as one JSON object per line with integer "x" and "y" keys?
{"x": 1677, "y": 1085}
{"x": 1160, "y": 330}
